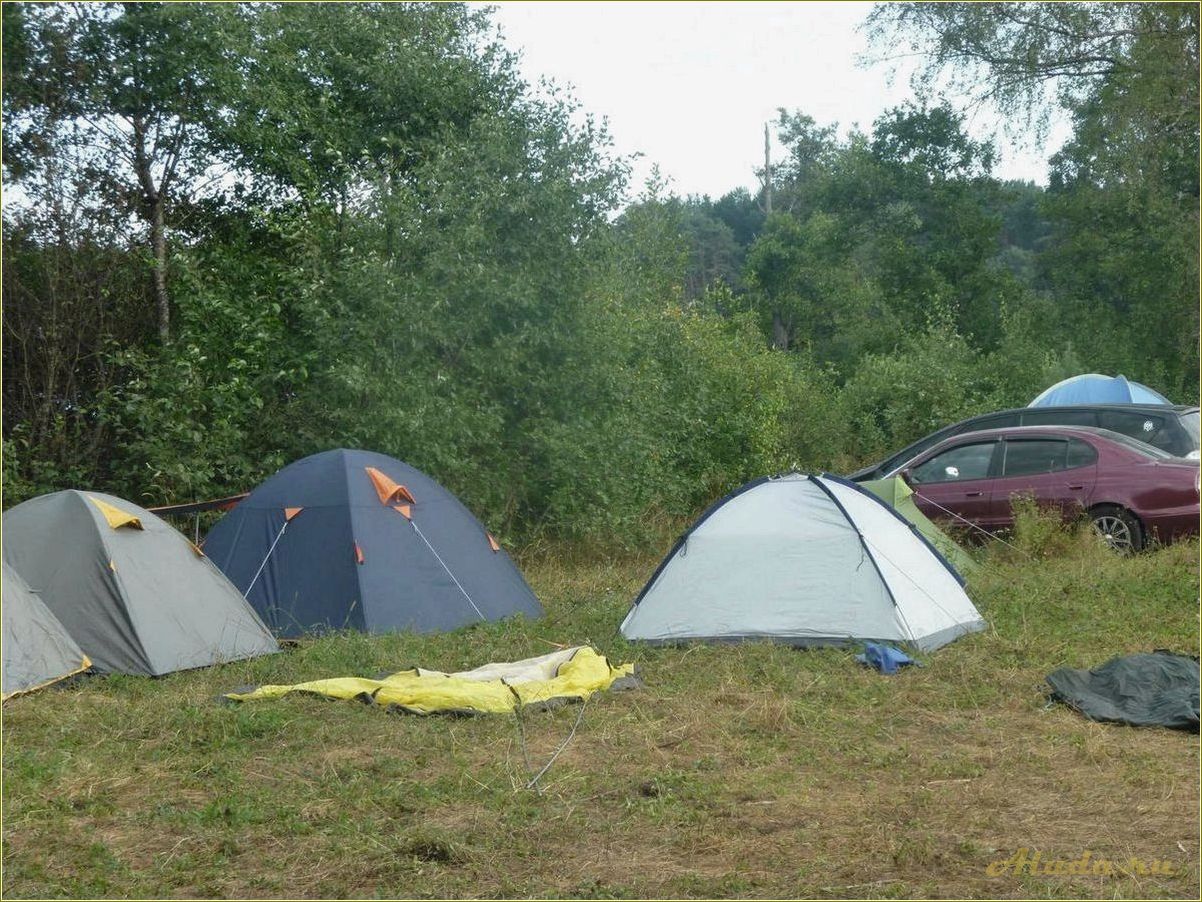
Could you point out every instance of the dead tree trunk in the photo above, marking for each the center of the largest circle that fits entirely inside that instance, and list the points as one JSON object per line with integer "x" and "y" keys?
{"x": 780, "y": 332}
{"x": 767, "y": 173}
{"x": 158, "y": 240}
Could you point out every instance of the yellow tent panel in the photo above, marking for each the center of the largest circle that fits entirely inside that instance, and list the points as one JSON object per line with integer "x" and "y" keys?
{"x": 115, "y": 517}
{"x": 575, "y": 673}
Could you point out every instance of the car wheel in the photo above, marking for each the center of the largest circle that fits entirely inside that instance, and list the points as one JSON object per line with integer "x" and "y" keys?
{"x": 1120, "y": 528}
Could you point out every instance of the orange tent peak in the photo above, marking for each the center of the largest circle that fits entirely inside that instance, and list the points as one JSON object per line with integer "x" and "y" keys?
{"x": 404, "y": 510}
{"x": 290, "y": 512}
{"x": 388, "y": 489}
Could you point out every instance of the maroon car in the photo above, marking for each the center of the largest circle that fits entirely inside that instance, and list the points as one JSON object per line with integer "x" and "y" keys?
{"x": 1132, "y": 492}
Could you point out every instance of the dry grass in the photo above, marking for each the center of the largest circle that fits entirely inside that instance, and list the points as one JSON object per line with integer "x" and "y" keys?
{"x": 738, "y": 771}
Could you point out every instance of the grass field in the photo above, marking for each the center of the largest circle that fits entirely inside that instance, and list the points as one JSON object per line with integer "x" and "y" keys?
{"x": 752, "y": 770}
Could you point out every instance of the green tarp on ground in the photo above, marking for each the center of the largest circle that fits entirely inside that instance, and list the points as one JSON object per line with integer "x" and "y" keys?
{"x": 1156, "y": 690}
{"x": 894, "y": 492}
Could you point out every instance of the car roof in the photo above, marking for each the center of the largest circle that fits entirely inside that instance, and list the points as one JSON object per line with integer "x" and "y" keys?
{"x": 1134, "y": 408}
{"x": 1030, "y": 431}
{"x": 943, "y": 433}
{"x": 1051, "y": 428}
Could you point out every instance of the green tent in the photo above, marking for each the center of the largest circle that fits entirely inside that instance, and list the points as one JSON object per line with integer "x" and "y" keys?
{"x": 896, "y": 494}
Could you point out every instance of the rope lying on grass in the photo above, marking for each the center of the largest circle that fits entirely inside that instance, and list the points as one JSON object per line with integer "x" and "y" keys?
{"x": 533, "y": 784}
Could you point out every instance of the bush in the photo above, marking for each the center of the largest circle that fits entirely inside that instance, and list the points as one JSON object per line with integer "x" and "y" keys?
{"x": 1040, "y": 533}
{"x": 929, "y": 381}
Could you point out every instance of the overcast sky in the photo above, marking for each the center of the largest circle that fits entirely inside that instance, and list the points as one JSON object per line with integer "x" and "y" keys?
{"x": 690, "y": 85}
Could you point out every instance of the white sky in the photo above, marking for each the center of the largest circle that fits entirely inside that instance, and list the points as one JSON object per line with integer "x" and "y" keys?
{"x": 690, "y": 85}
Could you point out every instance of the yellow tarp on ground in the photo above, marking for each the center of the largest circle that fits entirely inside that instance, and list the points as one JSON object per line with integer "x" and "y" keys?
{"x": 574, "y": 673}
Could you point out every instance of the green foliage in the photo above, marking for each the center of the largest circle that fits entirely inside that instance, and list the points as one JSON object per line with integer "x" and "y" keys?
{"x": 672, "y": 403}
{"x": 364, "y": 229}
{"x": 932, "y": 379}
{"x": 1040, "y": 534}
{"x": 1120, "y": 247}
{"x": 811, "y": 297}
{"x": 1018, "y": 57}
{"x": 877, "y": 235}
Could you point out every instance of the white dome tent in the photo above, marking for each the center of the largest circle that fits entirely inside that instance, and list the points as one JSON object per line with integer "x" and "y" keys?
{"x": 806, "y": 560}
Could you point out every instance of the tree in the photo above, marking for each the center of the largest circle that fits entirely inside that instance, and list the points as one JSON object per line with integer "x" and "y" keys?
{"x": 886, "y": 233}
{"x": 810, "y": 149}
{"x": 126, "y": 97}
{"x": 740, "y": 212}
{"x": 392, "y": 253}
{"x": 1122, "y": 205}
{"x": 1019, "y": 56}
{"x": 808, "y": 287}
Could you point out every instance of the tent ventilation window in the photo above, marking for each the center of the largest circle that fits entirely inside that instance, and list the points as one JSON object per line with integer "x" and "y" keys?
{"x": 390, "y": 491}
{"x": 114, "y": 516}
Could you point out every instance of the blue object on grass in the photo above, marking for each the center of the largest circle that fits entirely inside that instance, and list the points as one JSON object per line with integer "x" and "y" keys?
{"x": 884, "y": 658}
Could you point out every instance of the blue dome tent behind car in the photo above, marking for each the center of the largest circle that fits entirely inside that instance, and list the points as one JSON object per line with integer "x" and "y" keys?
{"x": 1093, "y": 388}
{"x": 358, "y": 540}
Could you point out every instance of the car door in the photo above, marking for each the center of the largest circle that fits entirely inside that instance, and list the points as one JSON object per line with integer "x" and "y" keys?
{"x": 954, "y": 483}
{"x": 1056, "y": 472}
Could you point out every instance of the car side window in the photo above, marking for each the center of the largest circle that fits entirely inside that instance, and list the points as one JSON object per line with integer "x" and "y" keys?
{"x": 999, "y": 421}
{"x": 1147, "y": 427}
{"x": 1080, "y": 454}
{"x": 1051, "y": 416}
{"x": 956, "y": 464}
{"x": 1029, "y": 457}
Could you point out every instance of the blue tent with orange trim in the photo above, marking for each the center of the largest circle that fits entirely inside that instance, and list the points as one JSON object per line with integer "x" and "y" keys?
{"x": 357, "y": 540}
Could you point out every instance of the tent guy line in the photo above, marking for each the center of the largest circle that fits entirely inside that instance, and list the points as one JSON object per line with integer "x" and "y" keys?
{"x": 458, "y": 584}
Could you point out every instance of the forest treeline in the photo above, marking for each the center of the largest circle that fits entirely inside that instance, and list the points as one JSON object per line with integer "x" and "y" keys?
{"x": 235, "y": 235}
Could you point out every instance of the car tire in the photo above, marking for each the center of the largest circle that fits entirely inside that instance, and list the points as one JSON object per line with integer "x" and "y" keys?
{"x": 1120, "y": 528}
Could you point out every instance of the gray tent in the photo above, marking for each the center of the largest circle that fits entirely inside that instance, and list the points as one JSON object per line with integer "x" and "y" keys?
{"x": 135, "y": 594}
{"x": 37, "y": 650}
